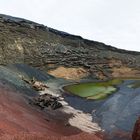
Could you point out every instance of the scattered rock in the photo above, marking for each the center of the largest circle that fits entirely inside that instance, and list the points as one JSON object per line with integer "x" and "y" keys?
{"x": 47, "y": 100}
{"x": 67, "y": 124}
{"x": 37, "y": 85}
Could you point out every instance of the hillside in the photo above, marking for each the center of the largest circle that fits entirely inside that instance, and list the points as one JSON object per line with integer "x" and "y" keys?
{"x": 54, "y": 85}
{"x": 23, "y": 41}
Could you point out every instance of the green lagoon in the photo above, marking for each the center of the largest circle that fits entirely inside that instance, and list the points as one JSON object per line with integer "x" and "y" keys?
{"x": 95, "y": 90}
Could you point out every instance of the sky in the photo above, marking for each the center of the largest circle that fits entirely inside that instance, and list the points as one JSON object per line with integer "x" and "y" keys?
{"x": 113, "y": 22}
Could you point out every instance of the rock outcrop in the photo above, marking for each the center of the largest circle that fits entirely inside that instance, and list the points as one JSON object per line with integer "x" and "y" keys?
{"x": 23, "y": 41}
{"x": 136, "y": 132}
{"x": 46, "y": 101}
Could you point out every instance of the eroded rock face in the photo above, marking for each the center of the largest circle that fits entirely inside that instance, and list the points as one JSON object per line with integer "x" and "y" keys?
{"x": 136, "y": 132}
{"x": 23, "y": 41}
{"x": 69, "y": 73}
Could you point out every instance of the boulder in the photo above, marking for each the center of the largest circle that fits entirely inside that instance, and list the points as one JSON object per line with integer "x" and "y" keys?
{"x": 47, "y": 101}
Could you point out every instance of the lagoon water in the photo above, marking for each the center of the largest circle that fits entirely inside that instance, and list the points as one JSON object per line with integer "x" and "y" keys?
{"x": 95, "y": 90}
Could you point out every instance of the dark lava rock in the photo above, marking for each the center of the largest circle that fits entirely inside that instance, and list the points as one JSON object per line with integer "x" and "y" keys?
{"x": 136, "y": 131}
{"x": 47, "y": 100}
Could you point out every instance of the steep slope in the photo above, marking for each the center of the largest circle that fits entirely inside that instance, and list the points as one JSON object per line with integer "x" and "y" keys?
{"x": 23, "y": 41}
{"x": 21, "y": 121}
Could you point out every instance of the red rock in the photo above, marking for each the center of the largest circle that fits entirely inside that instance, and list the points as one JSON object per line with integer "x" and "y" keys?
{"x": 41, "y": 136}
{"x": 136, "y": 131}
{"x": 21, "y": 121}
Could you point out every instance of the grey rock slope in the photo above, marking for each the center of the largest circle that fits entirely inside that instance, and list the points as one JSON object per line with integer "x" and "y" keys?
{"x": 12, "y": 74}
{"x": 121, "y": 110}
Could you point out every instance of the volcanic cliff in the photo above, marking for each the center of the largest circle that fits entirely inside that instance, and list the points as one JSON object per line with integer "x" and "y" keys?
{"x": 24, "y": 41}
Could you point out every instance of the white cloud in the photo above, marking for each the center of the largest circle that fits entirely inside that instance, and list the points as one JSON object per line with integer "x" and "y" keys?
{"x": 114, "y": 22}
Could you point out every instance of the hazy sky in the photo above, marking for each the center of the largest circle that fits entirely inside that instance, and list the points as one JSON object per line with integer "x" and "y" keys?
{"x": 114, "y": 22}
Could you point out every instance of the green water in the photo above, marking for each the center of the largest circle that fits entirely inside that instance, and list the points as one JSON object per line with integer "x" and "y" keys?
{"x": 95, "y": 91}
